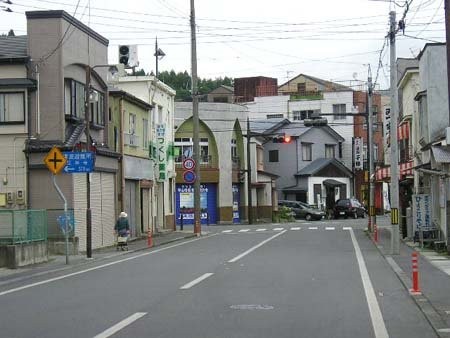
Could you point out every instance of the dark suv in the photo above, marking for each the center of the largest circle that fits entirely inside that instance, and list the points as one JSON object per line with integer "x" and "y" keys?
{"x": 349, "y": 207}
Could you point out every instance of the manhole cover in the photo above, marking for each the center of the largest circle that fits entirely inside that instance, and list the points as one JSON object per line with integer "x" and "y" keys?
{"x": 251, "y": 307}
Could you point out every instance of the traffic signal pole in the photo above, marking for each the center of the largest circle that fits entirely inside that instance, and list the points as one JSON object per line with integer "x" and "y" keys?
{"x": 370, "y": 149}
{"x": 249, "y": 175}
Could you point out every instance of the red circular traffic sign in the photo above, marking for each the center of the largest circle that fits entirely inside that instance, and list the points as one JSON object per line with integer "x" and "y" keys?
{"x": 189, "y": 176}
{"x": 189, "y": 164}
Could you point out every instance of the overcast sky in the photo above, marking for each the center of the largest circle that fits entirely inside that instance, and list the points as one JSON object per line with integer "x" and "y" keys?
{"x": 331, "y": 39}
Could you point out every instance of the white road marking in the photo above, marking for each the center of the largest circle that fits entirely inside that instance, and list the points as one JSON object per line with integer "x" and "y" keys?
{"x": 238, "y": 257}
{"x": 244, "y": 230}
{"x": 226, "y": 231}
{"x": 376, "y": 316}
{"x": 278, "y": 229}
{"x": 119, "y": 326}
{"x": 347, "y": 228}
{"x": 99, "y": 267}
{"x": 196, "y": 281}
{"x": 296, "y": 228}
{"x": 330, "y": 228}
{"x": 313, "y": 228}
{"x": 261, "y": 230}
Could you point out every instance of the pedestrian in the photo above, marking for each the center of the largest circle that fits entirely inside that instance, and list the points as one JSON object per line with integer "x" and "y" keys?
{"x": 122, "y": 227}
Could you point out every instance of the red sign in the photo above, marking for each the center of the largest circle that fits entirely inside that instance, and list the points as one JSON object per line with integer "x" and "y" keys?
{"x": 189, "y": 164}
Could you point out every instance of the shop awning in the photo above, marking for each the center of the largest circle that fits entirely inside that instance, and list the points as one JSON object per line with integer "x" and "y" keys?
{"x": 332, "y": 183}
{"x": 405, "y": 169}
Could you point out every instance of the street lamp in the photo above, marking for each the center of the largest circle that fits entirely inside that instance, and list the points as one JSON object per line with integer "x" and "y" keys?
{"x": 87, "y": 112}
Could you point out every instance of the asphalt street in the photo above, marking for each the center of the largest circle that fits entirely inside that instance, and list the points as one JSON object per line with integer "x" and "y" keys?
{"x": 302, "y": 279}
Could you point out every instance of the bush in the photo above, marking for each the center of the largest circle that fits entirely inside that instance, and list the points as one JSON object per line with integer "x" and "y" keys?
{"x": 285, "y": 214}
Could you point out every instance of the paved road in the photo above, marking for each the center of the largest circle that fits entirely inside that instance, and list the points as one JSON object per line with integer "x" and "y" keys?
{"x": 317, "y": 279}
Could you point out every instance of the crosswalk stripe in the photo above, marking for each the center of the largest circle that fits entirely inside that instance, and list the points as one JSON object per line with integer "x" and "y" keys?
{"x": 244, "y": 230}
{"x": 296, "y": 228}
{"x": 329, "y": 228}
{"x": 278, "y": 229}
{"x": 313, "y": 228}
{"x": 260, "y": 229}
{"x": 225, "y": 231}
{"x": 347, "y": 228}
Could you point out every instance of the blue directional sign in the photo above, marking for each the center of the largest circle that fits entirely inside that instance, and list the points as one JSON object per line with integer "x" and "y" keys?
{"x": 70, "y": 224}
{"x": 79, "y": 162}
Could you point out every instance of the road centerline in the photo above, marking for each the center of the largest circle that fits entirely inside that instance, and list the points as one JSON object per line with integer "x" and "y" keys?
{"x": 245, "y": 253}
{"x": 196, "y": 281}
{"x": 376, "y": 316}
{"x": 119, "y": 326}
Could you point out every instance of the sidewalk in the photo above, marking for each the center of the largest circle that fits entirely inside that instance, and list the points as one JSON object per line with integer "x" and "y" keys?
{"x": 434, "y": 276}
{"x": 58, "y": 262}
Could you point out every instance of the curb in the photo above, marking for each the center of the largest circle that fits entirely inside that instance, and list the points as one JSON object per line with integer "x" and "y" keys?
{"x": 89, "y": 261}
{"x": 436, "y": 321}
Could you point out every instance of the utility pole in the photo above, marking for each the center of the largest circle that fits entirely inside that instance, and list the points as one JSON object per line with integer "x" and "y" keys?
{"x": 88, "y": 146}
{"x": 196, "y": 129}
{"x": 447, "y": 39}
{"x": 370, "y": 149}
{"x": 249, "y": 175}
{"x": 395, "y": 235}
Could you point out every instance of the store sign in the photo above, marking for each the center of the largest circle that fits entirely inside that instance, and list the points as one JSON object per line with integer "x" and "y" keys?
{"x": 187, "y": 201}
{"x": 387, "y": 132}
{"x": 161, "y": 156}
{"x": 421, "y": 211}
{"x": 358, "y": 153}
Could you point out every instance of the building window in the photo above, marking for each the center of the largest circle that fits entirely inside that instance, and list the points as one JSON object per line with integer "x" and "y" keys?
{"x": 234, "y": 155}
{"x": 301, "y": 87}
{"x": 300, "y": 115}
{"x": 330, "y": 151}
{"x": 160, "y": 114}
{"x": 274, "y": 116}
{"x": 185, "y": 149}
{"x": 339, "y": 111}
{"x": 145, "y": 133}
{"x": 12, "y": 107}
{"x": 132, "y": 124}
{"x": 273, "y": 155}
{"x": 423, "y": 112}
{"x": 306, "y": 151}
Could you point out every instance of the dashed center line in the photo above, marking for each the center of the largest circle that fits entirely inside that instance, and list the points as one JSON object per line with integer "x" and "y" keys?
{"x": 196, "y": 281}
{"x": 296, "y": 228}
{"x": 244, "y": 230}
{"x": 278, "y": 229}
{"x": 313, "y": 228}
{"x": 261, "y": 230}
{"x": 226, "y": 231}
{"x": 119, "y": 326}
{"x": 330, "y": 228}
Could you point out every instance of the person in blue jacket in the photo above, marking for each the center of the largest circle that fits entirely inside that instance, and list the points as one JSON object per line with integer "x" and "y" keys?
{"x": 122, "y": 227}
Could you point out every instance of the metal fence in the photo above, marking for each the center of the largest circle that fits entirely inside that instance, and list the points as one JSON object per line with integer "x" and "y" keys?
{"x": 56, "y": 223}
{"x": 22, "y": 226}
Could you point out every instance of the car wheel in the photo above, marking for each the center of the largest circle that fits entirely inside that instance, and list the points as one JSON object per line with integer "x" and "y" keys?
{"x": 308, "y": 217}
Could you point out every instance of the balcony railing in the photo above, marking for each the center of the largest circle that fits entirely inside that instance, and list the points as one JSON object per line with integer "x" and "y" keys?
{"x": 205, "y": 161}
{"x": 307, "y": 95}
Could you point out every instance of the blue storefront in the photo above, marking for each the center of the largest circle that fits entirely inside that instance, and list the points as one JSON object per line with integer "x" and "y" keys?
{"x": 185, "y": 203}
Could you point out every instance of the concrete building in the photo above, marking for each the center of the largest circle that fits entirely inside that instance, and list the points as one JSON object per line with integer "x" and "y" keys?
{"x": 57, "y": 118}
{"x": 222, "y": 94}
{"x": 161, "y": 134}
{"x": 223, "y": 161}
{"x": 129, "y": 124}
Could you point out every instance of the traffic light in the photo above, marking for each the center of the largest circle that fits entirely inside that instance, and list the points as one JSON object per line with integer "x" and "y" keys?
{"x": 282, "y": 139}
{"x": 128, "y": 55}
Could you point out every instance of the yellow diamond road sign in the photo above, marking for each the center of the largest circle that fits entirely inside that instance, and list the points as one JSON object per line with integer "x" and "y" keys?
{"x": 55, "y": 160}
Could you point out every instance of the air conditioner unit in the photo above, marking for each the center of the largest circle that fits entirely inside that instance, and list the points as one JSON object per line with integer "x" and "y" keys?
{"x": 20, "y": 197}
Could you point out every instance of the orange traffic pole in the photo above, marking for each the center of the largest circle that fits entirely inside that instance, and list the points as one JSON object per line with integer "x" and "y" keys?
{"x": 149, "y": 238}
{"x": 375, "y": 233}
{"x": 415, "y": 275}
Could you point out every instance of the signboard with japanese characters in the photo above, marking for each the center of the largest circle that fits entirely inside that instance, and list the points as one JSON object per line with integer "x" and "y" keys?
{"x": 422, "y": 212}
{"x": 358, "y": 153}
{"x": 387, "y": 133}
{"x": 161, "y": 156}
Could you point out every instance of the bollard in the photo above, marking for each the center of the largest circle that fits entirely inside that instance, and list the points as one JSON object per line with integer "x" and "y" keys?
{"x": 149, "y": 238}
{"x": 181, "y": 222}
{"x": 415, "y": 275}
{"x": 369, "y": 223}
{"x": 375, "y": 233}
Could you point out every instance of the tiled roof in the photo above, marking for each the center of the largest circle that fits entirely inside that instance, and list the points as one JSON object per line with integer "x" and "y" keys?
{"x": 317, "y": 165}
{"x": 13, "y": 47}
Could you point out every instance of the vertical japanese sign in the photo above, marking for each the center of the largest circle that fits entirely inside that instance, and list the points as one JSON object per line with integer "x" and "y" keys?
{"x": 358, "y": 153}
{"x": 387, "y": 133}
{"x": 421, "y": 211}
{"x": 161, "y": 149}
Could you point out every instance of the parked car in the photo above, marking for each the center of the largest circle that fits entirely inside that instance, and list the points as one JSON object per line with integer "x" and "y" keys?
{"x": 349, "y": 207}
{"x": 302, "y": 210}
